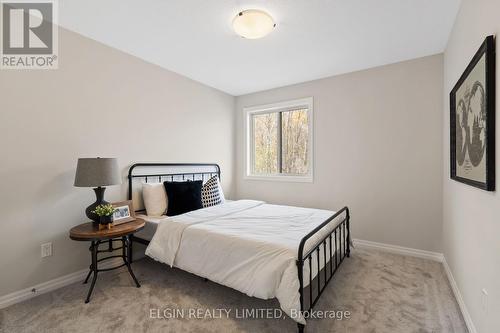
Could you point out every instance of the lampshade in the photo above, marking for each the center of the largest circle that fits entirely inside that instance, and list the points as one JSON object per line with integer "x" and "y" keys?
{"x": 95, "y": 172}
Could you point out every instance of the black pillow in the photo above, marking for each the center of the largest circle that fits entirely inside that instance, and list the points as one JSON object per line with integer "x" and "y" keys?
{"x": 183, "y": 197}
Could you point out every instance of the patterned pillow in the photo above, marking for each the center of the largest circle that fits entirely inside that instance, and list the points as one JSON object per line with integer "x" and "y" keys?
{"x": 210, "y": 195}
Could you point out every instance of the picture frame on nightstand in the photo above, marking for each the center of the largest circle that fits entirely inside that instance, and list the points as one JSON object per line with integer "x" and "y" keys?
{"x": 124, "y": 212}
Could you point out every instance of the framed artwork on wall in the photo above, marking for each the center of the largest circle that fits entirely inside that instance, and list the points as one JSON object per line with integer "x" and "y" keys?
{"x": 472, "y": 121}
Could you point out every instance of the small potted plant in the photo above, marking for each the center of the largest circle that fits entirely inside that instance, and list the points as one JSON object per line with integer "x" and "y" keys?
{"x": 105, "y": 213}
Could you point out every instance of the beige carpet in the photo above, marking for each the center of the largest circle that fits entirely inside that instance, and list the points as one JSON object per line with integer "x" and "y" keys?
{"x": 383, "y": 293}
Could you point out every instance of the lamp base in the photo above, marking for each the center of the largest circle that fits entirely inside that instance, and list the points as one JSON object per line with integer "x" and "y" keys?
{"x": 99, "y": 193}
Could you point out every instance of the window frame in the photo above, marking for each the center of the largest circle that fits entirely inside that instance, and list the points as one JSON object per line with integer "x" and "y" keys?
{"x": 249, "y": 141}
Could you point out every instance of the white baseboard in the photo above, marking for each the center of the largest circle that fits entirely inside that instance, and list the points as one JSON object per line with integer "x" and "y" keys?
{"x": 458, "y": 296}
{"x": 45, "y": 287}
{"x": 436, "y": 256}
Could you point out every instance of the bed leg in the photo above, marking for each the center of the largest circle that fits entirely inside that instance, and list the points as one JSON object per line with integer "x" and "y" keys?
{"x": 348, "y": 240}
{"x": 301, "y": 328}
{"x": 348, "y": 250}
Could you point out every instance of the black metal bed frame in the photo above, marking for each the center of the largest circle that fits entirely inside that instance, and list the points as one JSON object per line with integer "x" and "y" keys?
{"x": 335, "y": 244}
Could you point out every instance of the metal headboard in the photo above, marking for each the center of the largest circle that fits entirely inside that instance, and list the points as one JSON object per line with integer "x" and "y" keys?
{"x": 157, "y": 175}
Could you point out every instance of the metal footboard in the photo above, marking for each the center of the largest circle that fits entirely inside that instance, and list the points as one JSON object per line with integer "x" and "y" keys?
{"x": 334, "y": 247}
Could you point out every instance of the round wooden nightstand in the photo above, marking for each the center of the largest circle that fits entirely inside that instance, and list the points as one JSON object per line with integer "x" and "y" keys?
{"x": 90, "y": 232}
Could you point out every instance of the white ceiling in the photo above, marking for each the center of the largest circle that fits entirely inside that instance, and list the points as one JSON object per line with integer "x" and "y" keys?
{"x": 313, "y": 38}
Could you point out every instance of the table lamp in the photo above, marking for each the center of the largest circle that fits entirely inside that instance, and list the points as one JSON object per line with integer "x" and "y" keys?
{"x": 97, "y": 172}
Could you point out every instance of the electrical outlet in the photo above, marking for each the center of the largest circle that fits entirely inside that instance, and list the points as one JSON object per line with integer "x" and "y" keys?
{"x": 46, "y": 250}
{"x": 484, "y": 300}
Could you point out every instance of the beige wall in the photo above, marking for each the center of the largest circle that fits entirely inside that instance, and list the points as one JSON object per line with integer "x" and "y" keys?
{"x": 471, "y": 216}
{"x": 100, "y": 102}
{"x": 377, "y": 149}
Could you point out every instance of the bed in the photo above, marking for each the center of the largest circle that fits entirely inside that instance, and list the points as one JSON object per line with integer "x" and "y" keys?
{"x": 263, "y": 250}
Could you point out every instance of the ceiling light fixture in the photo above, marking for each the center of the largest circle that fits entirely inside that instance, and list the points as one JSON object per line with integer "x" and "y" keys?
{"x": 253, "y": 24}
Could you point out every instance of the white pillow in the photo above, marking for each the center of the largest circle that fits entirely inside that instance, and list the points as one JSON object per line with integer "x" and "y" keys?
{"x": 155, "y": 198}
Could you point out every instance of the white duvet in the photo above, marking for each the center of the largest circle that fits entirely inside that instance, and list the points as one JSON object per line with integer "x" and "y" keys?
{"x": 246, "y": 245}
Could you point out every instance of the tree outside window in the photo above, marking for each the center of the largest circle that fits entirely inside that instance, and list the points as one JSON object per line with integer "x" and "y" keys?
{"x": 280, "y": 140}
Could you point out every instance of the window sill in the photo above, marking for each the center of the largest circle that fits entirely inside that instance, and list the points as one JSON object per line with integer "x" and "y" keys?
{"x": 276, "y": 178}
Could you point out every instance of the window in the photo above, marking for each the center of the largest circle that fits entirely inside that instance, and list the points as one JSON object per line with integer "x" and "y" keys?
{"x": 279, "y": 141}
